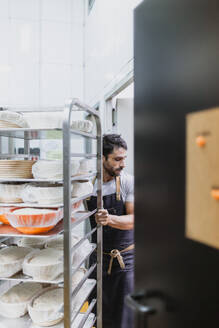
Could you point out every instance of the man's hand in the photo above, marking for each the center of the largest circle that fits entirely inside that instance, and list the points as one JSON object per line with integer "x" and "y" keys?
{"x": 102, "y": 217}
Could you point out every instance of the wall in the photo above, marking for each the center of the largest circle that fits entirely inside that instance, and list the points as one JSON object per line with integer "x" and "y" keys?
{"x": 109, "y": 60}
{"x": 108, "y": 47}
{"x": 39, "y": 62}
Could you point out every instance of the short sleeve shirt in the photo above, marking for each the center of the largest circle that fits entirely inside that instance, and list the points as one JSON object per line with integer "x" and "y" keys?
{"x": 126, "y": 187}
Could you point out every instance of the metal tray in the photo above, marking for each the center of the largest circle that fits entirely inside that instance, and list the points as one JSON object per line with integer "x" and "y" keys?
{"x": 20, "y": 277}
{"x": 82, "y": 177}
{"x": 78, "y": 217}
{"x": 73, "y": 201}
{"x": 31, "y": 134}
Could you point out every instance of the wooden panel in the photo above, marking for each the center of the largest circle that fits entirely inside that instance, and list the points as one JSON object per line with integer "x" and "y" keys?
{"x": 202, "y": 175}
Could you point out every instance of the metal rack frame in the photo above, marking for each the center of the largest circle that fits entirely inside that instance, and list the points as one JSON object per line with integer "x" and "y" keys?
{"x": 66, "y": 131}
{"x": 69, "y": 107}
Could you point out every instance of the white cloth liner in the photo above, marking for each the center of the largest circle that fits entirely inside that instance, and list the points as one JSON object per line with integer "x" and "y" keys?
{"x": 82, "y": 125}
{"x": 86, "y": 166}
{"x": 47, "y": 120}
{"x": 13, "y": 117}
{"x": 78, "y": 276}
{"x": 43, "y": 309}
{"x": 77, "y": 321}
{"x": 57, "y": 242}
{"x": 34, "y": 217}
{"x": 11, "y": 192}
{"x": 11, "y": 260}
{"x": 81, "y": 252}
{"x": 43, "y": 169}
{"x": 13, "y": 303}
{"x": 30, "y": 242}
{"x": 42, "y": 195}
{"x": 81, "y": 189}
{"x": 46, "y": 264}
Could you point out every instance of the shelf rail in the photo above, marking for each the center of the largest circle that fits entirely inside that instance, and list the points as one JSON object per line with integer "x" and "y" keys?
{"x": 71, "y": 106}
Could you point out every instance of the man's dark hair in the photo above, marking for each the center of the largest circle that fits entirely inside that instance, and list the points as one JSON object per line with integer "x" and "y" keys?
{"x": 111, "y": 141}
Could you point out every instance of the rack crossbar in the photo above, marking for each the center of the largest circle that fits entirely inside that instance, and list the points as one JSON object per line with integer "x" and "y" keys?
{"x": 78, "y": 244}
{"x": 83, "y": 218}
{"x": 75, "y": 313}
{"x": 90, "y": 308}
{"x": 84, "y": 259}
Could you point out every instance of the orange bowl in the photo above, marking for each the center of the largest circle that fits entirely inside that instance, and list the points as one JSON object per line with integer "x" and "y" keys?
{"x": 35, "y": 230}
{"x": 34, "y": 222}
{"x": 3, "y": 211}
{"x": 3, "y": 219}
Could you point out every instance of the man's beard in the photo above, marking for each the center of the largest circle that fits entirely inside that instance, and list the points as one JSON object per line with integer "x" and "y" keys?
{"x": 111, "y": 172}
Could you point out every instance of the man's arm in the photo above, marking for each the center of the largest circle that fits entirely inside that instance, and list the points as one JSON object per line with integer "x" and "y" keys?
{"x": 123, "y": 222}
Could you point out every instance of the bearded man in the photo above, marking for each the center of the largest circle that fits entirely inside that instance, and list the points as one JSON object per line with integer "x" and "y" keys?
{"x": 117, "y": 219}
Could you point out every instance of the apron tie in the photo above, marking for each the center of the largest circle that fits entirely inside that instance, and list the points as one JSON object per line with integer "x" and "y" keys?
{"x": 115, "y": 253}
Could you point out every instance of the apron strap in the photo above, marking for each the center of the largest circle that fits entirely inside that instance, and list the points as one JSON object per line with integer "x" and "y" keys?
{"x": 118, "y": 187}
{"x": 118, "y": 184}
{"x": 115, "y": 253}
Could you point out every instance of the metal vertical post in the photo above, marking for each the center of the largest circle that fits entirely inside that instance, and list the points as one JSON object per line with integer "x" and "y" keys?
{"x": 67, "y": 211}
{"x": 26, "y": 144}
{"x": 10, "y": 146}
{"x": 100, "y": 228}
{"x": 67, "y": 215}
{"x": 1, "y": 145}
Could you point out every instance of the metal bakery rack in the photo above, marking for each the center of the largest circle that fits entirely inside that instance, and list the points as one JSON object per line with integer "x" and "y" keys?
{"x": 67, "y": 225}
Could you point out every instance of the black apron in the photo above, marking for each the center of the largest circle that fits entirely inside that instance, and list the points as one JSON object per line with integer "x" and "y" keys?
{"x": 121, "y": 281}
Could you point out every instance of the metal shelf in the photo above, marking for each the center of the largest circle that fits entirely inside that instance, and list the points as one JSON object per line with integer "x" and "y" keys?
{"x": 86, "y": 155}
{"x": 82, "y": 177}
{"x": 20, "y": 277}
{"x": 33, "y": 134}
{"x": 66, "y": 225}
{"x": 23, "y": 322}
{"x": 88, "y": 320}
{"x": 85, "y": 321}
{"x": 81, "y": 216}
{"x": 58, "y": 205}
{"x": 78, "y": 217}
{"x": 26, "y": 322}
{"x": 81, "y": 283}
{"x": 92, "y": 283}
{"x": 94, "y": 247}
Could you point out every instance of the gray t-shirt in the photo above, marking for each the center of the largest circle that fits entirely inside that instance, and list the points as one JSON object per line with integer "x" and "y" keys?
{"x": 126, "y": 188}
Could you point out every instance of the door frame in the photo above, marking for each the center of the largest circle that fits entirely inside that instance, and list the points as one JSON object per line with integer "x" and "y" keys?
{"x": 108, "y": 98}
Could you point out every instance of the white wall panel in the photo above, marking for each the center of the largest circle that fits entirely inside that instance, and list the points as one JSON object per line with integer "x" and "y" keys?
{"x": 58, "y": 10}
{"x": 24, "y": 42}
{"x": 77, "y": 82}
{"x": 4, "y": 84}
{"x": 108, "y": 46}
{"x": 77, "y": 11}
{"x": 41, "y": 57}
{"x": 56, "y": 42}
{"x": 23, "y": 84}
{"x": 77, "y": 46}
{"x": 24, "y": 9}
{"x": 4, "y": 8}
{"x": 55, "y": 84}
{"x": 4, "y": 52}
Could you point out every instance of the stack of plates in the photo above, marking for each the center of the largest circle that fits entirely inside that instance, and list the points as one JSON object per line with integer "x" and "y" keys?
{"x": 16, "y": 169}
{"x": 5, "y": 125}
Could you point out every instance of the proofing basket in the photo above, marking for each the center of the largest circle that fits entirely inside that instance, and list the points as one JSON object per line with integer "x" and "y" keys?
{"x": 34, "y": 223}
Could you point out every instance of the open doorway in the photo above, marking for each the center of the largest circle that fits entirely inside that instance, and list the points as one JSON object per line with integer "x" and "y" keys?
{"x": 120, "y": 119}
